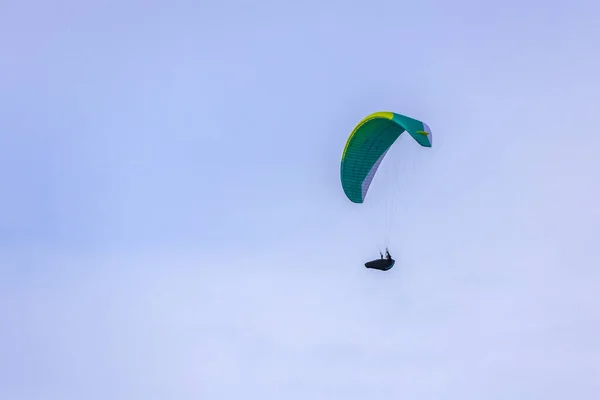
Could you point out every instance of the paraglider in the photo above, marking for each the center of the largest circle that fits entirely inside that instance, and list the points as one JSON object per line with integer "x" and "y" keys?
{"x": 383, "y": 264}
{"x": 366, "y": 148}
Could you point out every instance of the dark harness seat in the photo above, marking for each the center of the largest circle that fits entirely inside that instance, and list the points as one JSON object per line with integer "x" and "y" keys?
{"x": 383, "y": 264}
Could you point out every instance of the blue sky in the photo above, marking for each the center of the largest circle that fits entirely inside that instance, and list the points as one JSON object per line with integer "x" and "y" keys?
{"x": 172, "y": 223}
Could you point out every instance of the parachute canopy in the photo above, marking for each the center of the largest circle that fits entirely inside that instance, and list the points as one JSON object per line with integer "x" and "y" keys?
{"x": 368, "y": 144}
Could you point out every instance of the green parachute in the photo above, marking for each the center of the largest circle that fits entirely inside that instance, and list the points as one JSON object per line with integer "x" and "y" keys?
{"x": 367, "y": 146}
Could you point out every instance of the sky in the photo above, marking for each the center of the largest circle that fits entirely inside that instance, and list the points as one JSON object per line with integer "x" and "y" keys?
{"x": 172, "y": 223}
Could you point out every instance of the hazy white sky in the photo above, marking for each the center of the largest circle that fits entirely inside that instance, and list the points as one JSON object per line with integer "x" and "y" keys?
{"x": 172, "y": 223}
